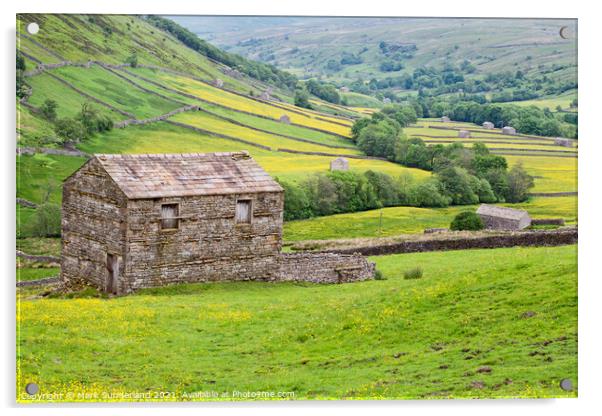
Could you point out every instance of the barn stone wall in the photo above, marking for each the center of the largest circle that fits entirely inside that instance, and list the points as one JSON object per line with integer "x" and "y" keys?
{"x": 499, "y": 223}
{"x": 93, "y": 224}
{"x": 208, "y": 245}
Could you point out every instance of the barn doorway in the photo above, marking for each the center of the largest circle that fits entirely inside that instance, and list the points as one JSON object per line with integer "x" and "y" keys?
{"x": 112, "y": 282}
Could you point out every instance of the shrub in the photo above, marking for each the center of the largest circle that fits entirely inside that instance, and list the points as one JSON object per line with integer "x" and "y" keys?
{"x": 378, "y": 275}
{"x": 132, "y": 60}
{"x": 414, "y": 273}
{"x": 466, "y": 220}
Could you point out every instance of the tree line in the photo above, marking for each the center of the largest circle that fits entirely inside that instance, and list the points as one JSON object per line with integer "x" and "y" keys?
{"x": 461, "y": 175}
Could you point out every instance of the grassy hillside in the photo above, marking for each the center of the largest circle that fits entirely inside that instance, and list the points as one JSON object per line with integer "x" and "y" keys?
{"x": 305, "y": 45}
{"x": 480, "y": 323}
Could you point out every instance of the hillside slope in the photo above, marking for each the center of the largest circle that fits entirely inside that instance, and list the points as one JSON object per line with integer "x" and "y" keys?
{"x": 170, "y": 102}
{"x": 305, "y": 45}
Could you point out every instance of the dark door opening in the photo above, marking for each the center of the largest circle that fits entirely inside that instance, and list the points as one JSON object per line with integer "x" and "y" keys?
{"x": 113, "y": 274}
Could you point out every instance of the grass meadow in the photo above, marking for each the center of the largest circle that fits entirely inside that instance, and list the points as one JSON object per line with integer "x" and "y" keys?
{"x": 388, "y": 222}
{"x": 479, "y": 323}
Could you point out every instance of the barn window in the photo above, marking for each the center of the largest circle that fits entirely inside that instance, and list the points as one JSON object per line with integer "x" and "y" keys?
{"x": 243, "y": 211}
{"x": 169, "y": 217}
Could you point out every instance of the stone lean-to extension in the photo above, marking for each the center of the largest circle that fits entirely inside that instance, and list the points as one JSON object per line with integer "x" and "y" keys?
{"x": 136, "y": 221}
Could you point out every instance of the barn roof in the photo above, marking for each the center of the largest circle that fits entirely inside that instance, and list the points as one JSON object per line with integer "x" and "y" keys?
{"x": 187, "y": 174}
{"x": 501, "y": 212}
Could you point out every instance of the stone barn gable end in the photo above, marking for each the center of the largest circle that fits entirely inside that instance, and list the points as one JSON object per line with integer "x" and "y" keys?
{"x": 136, "y": 221}
{"x": 502, "y": 218}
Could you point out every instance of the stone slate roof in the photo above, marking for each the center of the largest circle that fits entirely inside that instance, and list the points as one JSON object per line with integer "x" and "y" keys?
{"x": 187, "y": 174}
{"x": 501, "y": 212}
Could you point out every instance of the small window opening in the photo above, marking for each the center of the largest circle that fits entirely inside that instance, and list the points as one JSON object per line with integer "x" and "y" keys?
{"x": 169, "y": 217}
{"x": 243, "y": 212}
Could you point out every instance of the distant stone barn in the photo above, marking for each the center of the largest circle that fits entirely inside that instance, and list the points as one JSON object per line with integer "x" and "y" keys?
{"x": 561, "y": 141}
{"x": 502, "y": 218}
{"x": 508, "y": 130}
{"x": 340, "y": 163}
{"x": 463, "y": 134}
{"x": 135, "y": 221}
{"x": 445, "y": 119}
{"x": 488, "y": 125}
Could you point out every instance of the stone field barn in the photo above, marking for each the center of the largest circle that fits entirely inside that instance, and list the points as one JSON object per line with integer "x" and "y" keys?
{"x": 340, "y": 163}
{"x": 135, "y": 221}
{"x": 502, "y": 218}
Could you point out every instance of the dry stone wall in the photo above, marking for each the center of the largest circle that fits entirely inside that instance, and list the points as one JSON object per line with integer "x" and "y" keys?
{"x": 514, "y": 239}
{"x": 324, "y": 268}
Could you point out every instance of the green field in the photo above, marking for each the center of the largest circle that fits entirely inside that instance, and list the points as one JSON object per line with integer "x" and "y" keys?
{"x": 387, "y": 339}
{"x": 479, "y": 323}
{"x": 393, "y": 221}
{"x": 115, "y": 91}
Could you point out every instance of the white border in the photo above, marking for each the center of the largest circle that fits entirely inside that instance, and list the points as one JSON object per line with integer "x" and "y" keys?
{"x": 589, "y": 187}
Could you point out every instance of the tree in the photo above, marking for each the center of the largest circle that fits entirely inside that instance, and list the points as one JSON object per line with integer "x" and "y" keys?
{"x": 483, "y": 163}
{"x": 456, "y": 184}
{"x": 387, "y": 191}
{"x": 357, "y": 127}
{"x": 71, "y": 130}
{"x": 519, "y": 183}
{"x": 88, "y": 117}
{"x": 22, "y": 86}
{"x": 132, "y": 60}
{"x": 428, "y": 194}
{"x": 48, "y": 109}
{"x": 20, "y": 61}
{"x": 296, "y": 201}
{"x": 322, "y": 194}
{"x": 353, "y": 192}
{"x": 302, "y": 97}
{"x": 46, "y": 221}
{"x": 379, "y": 139}
{"x": 466, "y": 220}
